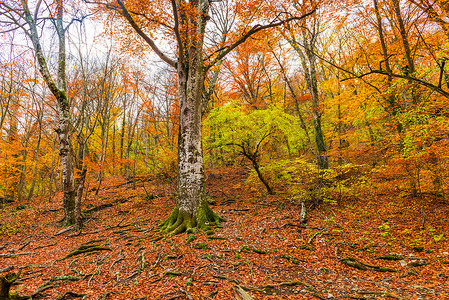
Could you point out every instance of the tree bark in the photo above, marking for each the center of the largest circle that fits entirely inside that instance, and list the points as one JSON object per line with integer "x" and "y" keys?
{"x": 191, "y": 209}
{"x": 308, "y": 61}
{"x": 59, "y": 91}
{"x": 6, "y": 282}
{"x": 190, "y": 17}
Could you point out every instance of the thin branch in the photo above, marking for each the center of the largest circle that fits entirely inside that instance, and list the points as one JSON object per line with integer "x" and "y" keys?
{"x": 252, "y": 31}
{"x": 416, "y": 80}
{"x": 176, "y": 29}
{"x": 147, "y": 39}
{"x": 77, "y": 20}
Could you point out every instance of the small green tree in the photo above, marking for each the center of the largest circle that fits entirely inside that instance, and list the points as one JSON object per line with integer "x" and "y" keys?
{"x": 251, "y": 133}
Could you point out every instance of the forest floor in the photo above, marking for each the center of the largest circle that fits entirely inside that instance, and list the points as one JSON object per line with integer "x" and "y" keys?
{"x": 261, "y": 252}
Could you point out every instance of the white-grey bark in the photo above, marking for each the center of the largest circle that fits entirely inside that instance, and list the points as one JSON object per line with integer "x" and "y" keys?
{"x": 59, "y": 91}
{"x": 191, "y": 187}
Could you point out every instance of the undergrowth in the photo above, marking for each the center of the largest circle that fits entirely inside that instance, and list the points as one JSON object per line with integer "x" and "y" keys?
{"x": 304, "y": 182}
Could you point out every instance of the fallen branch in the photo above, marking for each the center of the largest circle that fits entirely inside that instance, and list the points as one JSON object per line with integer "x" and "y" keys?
{"x": 292, "y": 259}
{"x": 64, "y": 230}
{"x": 141, "y": 257}
{"x": 116, "y": 261}
{"x": 293, "y": 283}
{"x": 313, "y": 236}
{"x": 24, "y": 245}
{"x": 21, "y": 280}
{"x": 240, "y": 293}
{"x": 104, "y": 295}
{"x": 187, "y": 294}
{"x": 391, "y": 256}
{"x": 97, "y": 272}
{"x": 299, "y": 225}
{"x": 383, "y": 294}
{"x": 172, "y": 273}
{"x": 225, "y": 278}
{"x": 157, "y": 262}
{"x": 7, "y": 255}
{"x": 40, "y": 290}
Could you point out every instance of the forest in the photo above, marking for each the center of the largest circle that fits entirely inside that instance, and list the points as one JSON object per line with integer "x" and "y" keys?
{"x": 222, "y": 149}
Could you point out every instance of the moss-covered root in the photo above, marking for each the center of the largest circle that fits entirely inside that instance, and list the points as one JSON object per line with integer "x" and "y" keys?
{"x": 179, "y": 221}
{"x": 6, "y": 281}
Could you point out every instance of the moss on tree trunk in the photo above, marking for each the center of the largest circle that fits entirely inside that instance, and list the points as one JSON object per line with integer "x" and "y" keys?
{"x": 6, "y": 281}
{"x": 180, "y": 221}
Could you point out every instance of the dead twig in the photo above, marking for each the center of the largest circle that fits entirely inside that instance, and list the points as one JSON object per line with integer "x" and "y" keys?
{"x": 104, "y": 296}
{"x": 313, "y": 236}
{"x": 97, "y": 272}
{"x": 186, "y": 293}
{"x": 24, "y": 245}
{"x": 352, "y": 262}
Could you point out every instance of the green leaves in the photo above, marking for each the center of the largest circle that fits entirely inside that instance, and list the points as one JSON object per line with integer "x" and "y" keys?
{"x": 230, "y": 126}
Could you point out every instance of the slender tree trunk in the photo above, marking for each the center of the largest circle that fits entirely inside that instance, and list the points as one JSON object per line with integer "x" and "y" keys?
{"x": 113, "y": 149}
{"x": 298, "y": 110}
{"x": 122, "y": 137}
{"x": 79, "y": 195}
{"x": 36, "y": 157}
{"x": 59, "y": 91}
{"x": 21, "y": 187}
{"x": 259, "y": 174}
{"x": 309, "y": 65}
{"x": 410, "y": 67}
{"x": 308, "y": 61}
{"x": 135, "y": 156}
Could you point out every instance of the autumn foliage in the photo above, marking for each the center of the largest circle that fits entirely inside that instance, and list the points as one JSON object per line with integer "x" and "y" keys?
{"x": 342, "y": 115}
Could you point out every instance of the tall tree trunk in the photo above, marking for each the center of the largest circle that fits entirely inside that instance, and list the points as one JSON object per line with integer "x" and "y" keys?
{"x": 308, "y": 61}
{"x": 36, "y": 156}
{"x": 409, "y": 69}
{"x": 298, "y": 110}
{"x": 192, "y": 209}
{"x": 309, "y": 64}
{"x": 122, "y": 138}
{"x": 59, "y": 91}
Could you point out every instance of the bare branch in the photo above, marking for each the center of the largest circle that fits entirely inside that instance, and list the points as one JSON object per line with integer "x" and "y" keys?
{"x": 147, "y": 39}
{"x": 416, "y": 80}
{"x": 252, "y": 31}
{"x": 77, "y": 20}
{"x": 176, "y": 29}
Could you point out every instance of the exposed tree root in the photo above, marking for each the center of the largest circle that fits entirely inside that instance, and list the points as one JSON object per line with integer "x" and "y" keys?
{"x": 86, "y": 248}
{"x": 6, "y": 281}
{"x": 179, "y": 221}
{"x": 352, "y": 262}
{"x": 70, "y": 294}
